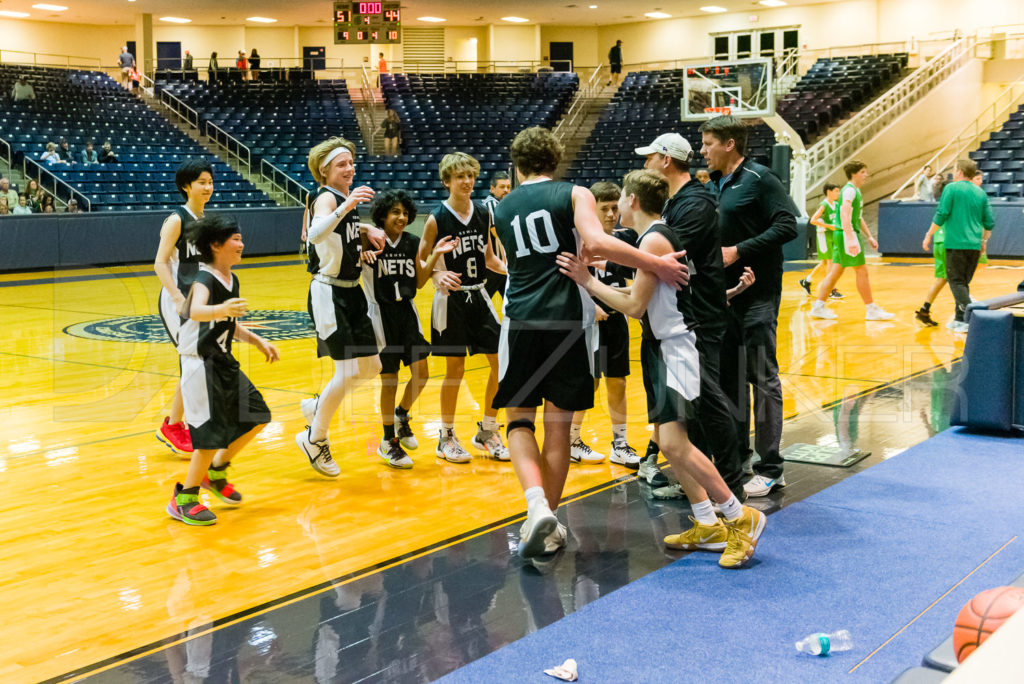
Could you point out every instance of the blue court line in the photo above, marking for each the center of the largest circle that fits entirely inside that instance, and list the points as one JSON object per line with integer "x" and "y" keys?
{"x": 132, "y": 274}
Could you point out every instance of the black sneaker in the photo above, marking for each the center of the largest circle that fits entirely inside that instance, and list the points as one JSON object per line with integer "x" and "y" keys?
{"x": 404, "y": 432}
{"x": 925, "y": 317}
{"x": 836, "y": 294}
{"x": 216, "y": 482}
{"x": 188, "y": 508}
{"x": 650, "y": 473}
{"x": 806, "y": 284}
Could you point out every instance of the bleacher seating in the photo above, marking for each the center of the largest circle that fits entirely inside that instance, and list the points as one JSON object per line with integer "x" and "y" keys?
{"x": 835, "y": 87}
{"x": 77, "y": 105}
{"x": 645, "y": 106}
{"x": 277, "y": 120}
{"x": 1001, "y": 159}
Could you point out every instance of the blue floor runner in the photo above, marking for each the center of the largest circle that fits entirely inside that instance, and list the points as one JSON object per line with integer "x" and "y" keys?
{"x": 870, "y": 554}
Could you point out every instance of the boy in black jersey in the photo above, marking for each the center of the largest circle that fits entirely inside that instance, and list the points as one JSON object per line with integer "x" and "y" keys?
{"x": 463, "y": 320}
{"x": 391, "y": 278}
{"x": 225, "y": 411}
{"x": 176, "y": 265}
{"x": 612, "y": 359}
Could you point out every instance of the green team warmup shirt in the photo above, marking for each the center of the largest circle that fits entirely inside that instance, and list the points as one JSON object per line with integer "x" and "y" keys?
{"x": 964, "y": 213}
{"x": 824, "y": 241}
{"x": 850, "y": 194}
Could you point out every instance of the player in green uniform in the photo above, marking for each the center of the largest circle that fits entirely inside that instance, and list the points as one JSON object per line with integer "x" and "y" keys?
{"x": 848, "y": 247}
{"x": 824, "y": 220}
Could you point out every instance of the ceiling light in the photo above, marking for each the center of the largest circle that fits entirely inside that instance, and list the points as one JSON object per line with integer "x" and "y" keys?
{"x": 176, "y": 20}
{"x": 52, "y": 8}
{"x": 16, "y": 15}
{"x": 593, "y": 6}
{"x": 434, "y": 20}
{"x": 515, "y": 20}
{"x": 261, "y": 20}
{"x": 713, "y": 9}
{"x": 657, "y": 15}
{"x": 772, "y": 3}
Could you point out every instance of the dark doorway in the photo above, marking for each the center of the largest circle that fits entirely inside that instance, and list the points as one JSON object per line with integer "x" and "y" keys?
{"x": 790, "y": 39}
{"x": 561, "y": 56}
{"x": 721, "y": 47}
{"x": 168, "y": 55}
{"x": 131, "y": 48}
{"x": 314, "y": 58}
{"x": 743, "y": 46}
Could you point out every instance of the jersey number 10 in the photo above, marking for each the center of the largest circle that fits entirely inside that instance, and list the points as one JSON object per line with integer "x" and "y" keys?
{"x": 550, "y": 242}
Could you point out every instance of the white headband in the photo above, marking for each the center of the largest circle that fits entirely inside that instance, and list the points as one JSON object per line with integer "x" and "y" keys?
{"x": 334, "y": 153}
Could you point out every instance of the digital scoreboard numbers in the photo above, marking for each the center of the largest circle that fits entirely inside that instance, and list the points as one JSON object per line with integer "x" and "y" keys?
{"x": 367, "y": 22}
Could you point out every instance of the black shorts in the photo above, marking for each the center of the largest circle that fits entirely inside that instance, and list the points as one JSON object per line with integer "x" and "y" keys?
{"x": 612, "y": 357}
{"x": 464, "y": 323}
{"x": 221, "y": 404}
{"x": 399, "y": 334}
{"x": 538, "y": 363}
{"x": 495, "y": 283}
{"x": 665, "y": 404}
{"x": 343, "y": 328}
{"x": 615, "y": 68}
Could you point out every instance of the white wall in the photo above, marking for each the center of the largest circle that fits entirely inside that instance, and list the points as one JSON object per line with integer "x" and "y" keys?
{"x": 515, "y": 43}
{"x": 586, "y": 51}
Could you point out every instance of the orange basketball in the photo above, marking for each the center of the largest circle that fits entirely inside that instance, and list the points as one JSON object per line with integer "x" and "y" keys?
{"x": 983, "y": 615}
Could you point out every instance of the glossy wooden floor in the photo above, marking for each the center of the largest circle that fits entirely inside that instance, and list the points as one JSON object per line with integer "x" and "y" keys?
{"x": 92, "y": 568}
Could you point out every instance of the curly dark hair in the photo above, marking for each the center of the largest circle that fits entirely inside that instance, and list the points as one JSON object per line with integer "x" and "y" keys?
{"x": 535, "y": 151}
{"x": 383, "y": 202}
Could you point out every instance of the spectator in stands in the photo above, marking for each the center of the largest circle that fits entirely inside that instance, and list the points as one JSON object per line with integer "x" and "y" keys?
{"x": 254, "y": 65}
{"x": 392, "y": 127}
{"x": 186, "y": 64}
{"x": 4, "y": 209}
{"x": 7, "y": 192}
{"x": 34, "y": 195}
{"x": 211, "y": 71}
{"x": 924, "y": 185}
{"x": 21, "y": 208}
{"x": 107, "y": 155}
{"x": 242, "y": 65}
{"x": 22, "y": 90}
{"x": 135, "y": 78}
{"x": 126, "y": 61}
{"x": 73, "y": 207}
{"x": 48, "y": 204}
{"x": 937, "y": 183}
{"x": 615, "y": 63}
{"x": 89, "y": 155}
{"x": 382, "y": 67}
{"x": 64, "y": 152}
{"x": 50, "y": 156}
{"x": 703, "y": 176}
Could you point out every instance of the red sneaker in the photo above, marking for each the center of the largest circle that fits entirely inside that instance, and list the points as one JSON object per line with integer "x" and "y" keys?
{"x": 176, "y": 436}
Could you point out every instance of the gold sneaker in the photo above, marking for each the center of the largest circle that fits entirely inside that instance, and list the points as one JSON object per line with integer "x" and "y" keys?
{"x": 744, "y": 532}
{"x": 703, "y": 537}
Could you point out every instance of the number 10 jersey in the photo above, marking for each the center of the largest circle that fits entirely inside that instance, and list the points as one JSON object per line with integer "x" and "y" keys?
{"x": 535, "y": 222}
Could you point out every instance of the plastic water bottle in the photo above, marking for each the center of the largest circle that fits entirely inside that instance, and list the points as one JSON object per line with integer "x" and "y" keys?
{"x": 822, "y": 644}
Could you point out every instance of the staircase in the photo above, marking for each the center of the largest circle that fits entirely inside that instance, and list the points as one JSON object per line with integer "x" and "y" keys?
{"x": 576, "y": 126}
{"x": 370, "y": 111}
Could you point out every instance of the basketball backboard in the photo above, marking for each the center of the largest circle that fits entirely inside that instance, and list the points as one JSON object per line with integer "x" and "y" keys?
{"x": 742, "y": 88}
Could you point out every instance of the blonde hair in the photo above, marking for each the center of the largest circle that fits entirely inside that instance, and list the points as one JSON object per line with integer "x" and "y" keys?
{"x": 455, "y": 163}
{"x": 319, "y": 153}
{"x": 650, "y": 189}
{"x": 51, "y": 146}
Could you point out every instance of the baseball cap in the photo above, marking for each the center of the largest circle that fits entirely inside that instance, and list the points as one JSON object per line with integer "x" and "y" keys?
{"x": 669, "y": 144}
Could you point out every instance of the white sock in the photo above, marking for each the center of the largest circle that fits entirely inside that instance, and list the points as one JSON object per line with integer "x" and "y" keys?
{"x": 731, "y": 508}
{"x": 704, "y": 512}
{"x": 447, "y": 429}
{"x": 489, "y": 423}
{"x": 345, "y": 378}
{"x": 818, "y": 303}
{"x": 535, "y": 497}
{"x": 574, "y": 433}
{"x": 618, "y": 433}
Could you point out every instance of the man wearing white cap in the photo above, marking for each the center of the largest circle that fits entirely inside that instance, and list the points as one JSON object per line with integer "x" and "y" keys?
{"x": 691, "y": 214}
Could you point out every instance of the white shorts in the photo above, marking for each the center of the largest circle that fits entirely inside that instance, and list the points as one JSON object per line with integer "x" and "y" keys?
{"x": 169, "y": 316}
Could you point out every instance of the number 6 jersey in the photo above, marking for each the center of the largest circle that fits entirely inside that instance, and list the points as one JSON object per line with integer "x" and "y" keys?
{"x": 535, "y": 222}
{"x": 208, "y": 338}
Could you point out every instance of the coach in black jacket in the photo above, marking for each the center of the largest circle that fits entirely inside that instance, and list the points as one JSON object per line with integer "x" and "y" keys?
{"x": 755, "y": 217}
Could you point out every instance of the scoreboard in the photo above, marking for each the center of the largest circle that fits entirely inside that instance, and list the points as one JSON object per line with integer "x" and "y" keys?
{"x": 367, "y": 22}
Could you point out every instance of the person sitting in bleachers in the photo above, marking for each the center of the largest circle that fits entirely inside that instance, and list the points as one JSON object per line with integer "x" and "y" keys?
{"x": 4, "y": 210}
{"x": 73, "y": 207}
{"x": 22, "y": 90}
{"x": 50, "y": 157}
{"x": 49, "y": 206}
{"x": 107, "y": 155}
{"x": 89, "y": 156}
{"x": 64, "y": 152}
{"x": 34, "y": 195}
{"x": 21, "y": 208}
{"x": 7, "y": 192}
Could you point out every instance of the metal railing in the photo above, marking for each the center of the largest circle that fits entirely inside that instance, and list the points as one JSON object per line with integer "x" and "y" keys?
{"x": 787, "y": 71}
{"x": 826, "y": 154}
{"x": 179, "y": 108}
{"x": 365, "y": 112}
{"x": 44, "y": 175}
{"x": 989, "y": 119}
{"x": 230, "y": 144}
{"x": 580, "y": 106}
{"x": 5, "y": 152}
{"x": 283, "y": 182}
{"x": 50, "y": 60}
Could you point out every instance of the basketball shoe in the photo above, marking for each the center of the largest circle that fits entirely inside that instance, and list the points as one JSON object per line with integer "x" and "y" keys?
{"x": 650, "y": 473}
{"x": 579, "y": 452}
{"x": 449, "y": 448}
{"x": 700, "y": 537}
{"x": 176, "y": 436}
{"x": 393, "y": 454}
{"x": 624, "y": 455}
{"x": 759, "y": 485}
{"x": 490, "y": 443}
{"x": 540, "y": 522}
{"x": 925, "y": 316}
{"x": 216, "y": 482}
{"x": 806, "y": 284}
{"x": 404, "y": 432}
{"x": 186, "y": 507}
{"x": 873, "y": 312}
{"x": 743, "y": 533}
{"x": 318, "y": 453}
{"x": 819, "y": 310}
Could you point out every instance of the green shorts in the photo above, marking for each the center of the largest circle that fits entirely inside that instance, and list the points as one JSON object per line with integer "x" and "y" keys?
{"x": 839, "y": 255}
{"x": 939, "y": 252}
{"x": 823, "y": 240}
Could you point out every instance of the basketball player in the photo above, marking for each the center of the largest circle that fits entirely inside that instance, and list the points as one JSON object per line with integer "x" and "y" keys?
{"x": 225, "y": 410}
{"x": 501, "y": 185}
{"x": 824, "y": 221}
{"x": 463, "y": 320}
{"x": 612, "y": 360}
{"x": 672, "y": 376}
{"x": 848, "y": 247}
{"x": 391, "y": 279}
{"x": 337, "y": 305}
{"x": 545, "y": 355}
{"x": 176, "y": 265}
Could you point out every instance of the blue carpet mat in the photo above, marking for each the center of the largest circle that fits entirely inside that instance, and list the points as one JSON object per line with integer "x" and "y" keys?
{"x": 869, "y": 554}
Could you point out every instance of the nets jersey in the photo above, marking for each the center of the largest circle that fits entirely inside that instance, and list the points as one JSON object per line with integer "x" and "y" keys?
{"x": 209, "y": 338}
{"x": 338, "y": 255}
{"x": 468, "y": 258}
{"x": 185, "y": 263}
{"x": 393, "y": 277}
{"x": 616, "y": 275}
{"x": 535, "y": 222}
{"x": 663, "y": 318}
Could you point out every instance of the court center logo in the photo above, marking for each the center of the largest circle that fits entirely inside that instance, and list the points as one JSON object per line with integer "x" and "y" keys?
{"x": 271, "y": 325}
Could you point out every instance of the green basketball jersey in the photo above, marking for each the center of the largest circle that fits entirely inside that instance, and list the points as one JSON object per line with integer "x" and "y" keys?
{"x": 828, "y": 213}
{"x": 534, "y": 223}
{"x": 858, "y": 203}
